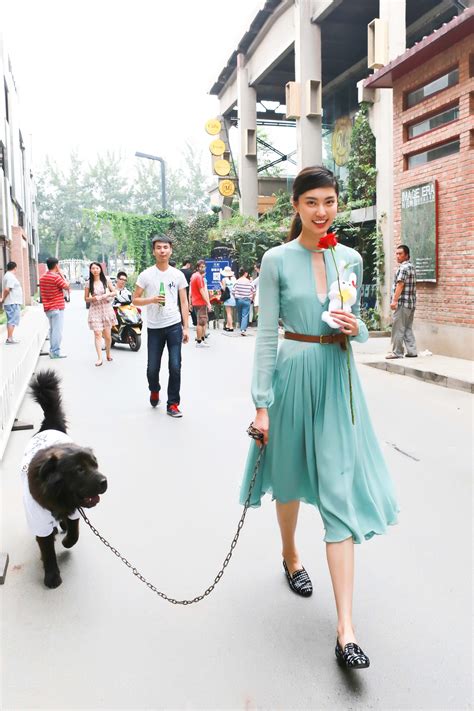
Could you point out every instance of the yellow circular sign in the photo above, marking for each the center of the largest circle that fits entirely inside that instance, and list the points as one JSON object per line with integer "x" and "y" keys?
{"x": 213, "y": 127}
{"x": 217, "y": 147}
{"x": 341, "y": 140}
{"x": 222, "y": 167}
{"x": 226, "y": 188}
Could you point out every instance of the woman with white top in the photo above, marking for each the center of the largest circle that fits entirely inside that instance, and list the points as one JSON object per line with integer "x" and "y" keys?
{"x": 229, "y": 280}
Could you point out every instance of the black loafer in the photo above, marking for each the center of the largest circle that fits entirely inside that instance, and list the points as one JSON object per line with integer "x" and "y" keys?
{"x": 351, "y": 656}
{"x": 299, "y": 582}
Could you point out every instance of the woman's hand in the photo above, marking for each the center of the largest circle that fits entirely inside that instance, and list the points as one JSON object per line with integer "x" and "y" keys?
{"x": 262, "y": 424}
{"x": 346, "y": 321}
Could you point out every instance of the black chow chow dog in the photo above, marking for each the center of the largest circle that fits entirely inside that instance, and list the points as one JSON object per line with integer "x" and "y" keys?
{"x": 58, "y": 477}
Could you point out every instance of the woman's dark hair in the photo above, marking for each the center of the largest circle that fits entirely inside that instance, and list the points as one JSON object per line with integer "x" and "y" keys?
{"x": 243, "y": 271}
{"x": 101, "y": 276}
{"x": 308, "y": 179}
{"x": 120, "y": 274}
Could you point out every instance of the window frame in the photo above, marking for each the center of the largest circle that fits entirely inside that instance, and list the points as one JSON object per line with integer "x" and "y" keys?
{"x": 432, "y": 114}
{"x": 453, "y": 139}
{"x": 445, "y": 72}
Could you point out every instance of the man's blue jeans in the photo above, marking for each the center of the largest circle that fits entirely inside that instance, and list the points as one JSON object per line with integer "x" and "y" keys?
{"x": 56, "y": 321}
{"x": 172, "y": 337}
{"x": 243, "y": 310}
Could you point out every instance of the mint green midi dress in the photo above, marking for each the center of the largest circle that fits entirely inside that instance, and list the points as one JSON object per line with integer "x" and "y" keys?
{"x": 314, "y": 454}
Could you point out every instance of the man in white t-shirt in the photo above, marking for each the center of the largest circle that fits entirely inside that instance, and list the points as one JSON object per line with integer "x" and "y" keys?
{"x": 157, "y": 288}
{"x": 12, "y": 297}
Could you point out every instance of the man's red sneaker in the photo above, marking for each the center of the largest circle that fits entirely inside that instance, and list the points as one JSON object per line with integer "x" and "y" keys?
{"x": 173, "y": 411}
{"x": 154, "y": 398}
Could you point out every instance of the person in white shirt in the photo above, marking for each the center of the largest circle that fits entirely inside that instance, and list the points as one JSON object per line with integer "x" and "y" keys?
{"x": 123, "y": 295}
{"x": 157, "y": 288}
{"x": 12, "y": 298}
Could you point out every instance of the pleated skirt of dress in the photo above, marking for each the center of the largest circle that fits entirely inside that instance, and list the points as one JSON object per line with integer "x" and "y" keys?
{"x": 315, "y": 454}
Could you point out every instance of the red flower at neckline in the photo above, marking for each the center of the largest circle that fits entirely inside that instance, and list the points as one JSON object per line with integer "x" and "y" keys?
{"x": 329, "y": 241}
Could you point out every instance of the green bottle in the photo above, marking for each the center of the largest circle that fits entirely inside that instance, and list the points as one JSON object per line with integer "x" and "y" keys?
{"x": 162, "y": 292}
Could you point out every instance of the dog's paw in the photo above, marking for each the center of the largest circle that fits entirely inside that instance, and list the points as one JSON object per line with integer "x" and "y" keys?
{"x": 53, "y": 579}
{"x": 69, "y": 541}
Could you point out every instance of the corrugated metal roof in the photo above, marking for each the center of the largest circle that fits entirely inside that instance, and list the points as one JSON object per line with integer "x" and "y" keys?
{"x": 443, "y": 38}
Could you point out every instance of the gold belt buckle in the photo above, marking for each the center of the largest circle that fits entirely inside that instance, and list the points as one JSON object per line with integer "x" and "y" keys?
{"x": 321, "y": 342}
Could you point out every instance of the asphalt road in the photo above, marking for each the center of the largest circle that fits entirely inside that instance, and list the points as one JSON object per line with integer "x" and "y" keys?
{"x": 104, "y": 641}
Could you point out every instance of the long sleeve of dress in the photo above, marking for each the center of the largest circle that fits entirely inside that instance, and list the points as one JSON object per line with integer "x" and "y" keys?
{"x": 363, "y": 334}
{"x": 267, "y": 337}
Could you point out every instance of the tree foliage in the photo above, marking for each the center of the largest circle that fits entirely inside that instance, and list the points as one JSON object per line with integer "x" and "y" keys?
{"x": 69, "y": 199}
{"x": 133, "y": 234}
{"x": 361, "y": 164}
{"x": 61, "y": 198}
{"x": 248, "y": 238}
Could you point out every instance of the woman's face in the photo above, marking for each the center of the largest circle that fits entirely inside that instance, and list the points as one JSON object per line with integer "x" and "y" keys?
{"x": 95, "y": 270}
{"x": 317, "y": 209}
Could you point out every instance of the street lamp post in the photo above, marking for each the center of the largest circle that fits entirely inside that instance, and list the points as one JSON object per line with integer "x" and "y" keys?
{"x": 163, "y": 174}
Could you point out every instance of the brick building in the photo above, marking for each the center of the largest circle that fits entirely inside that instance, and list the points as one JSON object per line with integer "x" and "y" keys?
{"x": 433, "y": 167}
{"x": 18, "y": 214}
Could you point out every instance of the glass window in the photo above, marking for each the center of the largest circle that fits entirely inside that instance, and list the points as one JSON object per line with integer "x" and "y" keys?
{"x": 446, "y": 149}
{"x": 416, "y": 129}
{"x": 449, "y": 79}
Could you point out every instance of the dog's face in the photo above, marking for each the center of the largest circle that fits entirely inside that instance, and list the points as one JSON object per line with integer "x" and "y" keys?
{"x": 65, "y": 477}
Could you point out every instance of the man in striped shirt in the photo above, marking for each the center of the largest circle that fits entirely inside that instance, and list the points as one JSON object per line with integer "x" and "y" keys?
{"x": 403, "y": 306}
{"x": 243, "y": 293}
{"x": 52, "y": 286}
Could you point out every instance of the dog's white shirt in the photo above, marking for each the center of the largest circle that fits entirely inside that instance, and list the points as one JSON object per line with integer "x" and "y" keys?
{"x": 41, "y": 522}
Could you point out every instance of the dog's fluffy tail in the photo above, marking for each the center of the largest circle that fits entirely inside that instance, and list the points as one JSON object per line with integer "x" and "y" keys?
{"x": 46, "y": 391}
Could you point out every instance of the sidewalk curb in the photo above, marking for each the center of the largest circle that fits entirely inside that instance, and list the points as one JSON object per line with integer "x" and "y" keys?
{"x": 380, "y": 334}
{"x": 427, "y": 375}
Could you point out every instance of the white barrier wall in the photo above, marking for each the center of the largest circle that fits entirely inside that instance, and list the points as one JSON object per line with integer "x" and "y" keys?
{"x": 14, "y": 379}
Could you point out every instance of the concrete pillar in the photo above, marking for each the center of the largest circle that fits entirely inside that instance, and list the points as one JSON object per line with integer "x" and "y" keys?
{"x": 381, "y": 120}
{"x": 247, "y": 113}
{"x": 309, "y": 142}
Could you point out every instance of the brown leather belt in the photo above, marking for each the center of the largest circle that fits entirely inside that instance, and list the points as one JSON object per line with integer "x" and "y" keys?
{"x": 330, "y": 338}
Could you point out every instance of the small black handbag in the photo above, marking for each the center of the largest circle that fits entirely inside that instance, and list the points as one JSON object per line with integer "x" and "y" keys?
{"x": 225, "y": 295}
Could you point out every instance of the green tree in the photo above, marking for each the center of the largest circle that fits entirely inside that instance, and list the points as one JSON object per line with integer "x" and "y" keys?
{"x": 187, "y": 188}
{"x": 108, "y": 184}
{"x": 361, "y": 163}
{"x": 146, "y": 190}
{"x": 62, "y": 196}
{"x": 191, "y": 238}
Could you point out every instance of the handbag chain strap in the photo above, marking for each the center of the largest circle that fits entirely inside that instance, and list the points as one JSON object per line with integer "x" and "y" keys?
{"x": 255, "y": 434}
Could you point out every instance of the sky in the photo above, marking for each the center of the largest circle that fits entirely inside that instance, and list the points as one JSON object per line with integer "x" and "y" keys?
{"x": 121, "y": 75}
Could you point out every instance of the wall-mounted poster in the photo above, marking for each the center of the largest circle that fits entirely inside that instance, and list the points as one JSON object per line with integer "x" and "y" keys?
{"x": 419, "y": 228}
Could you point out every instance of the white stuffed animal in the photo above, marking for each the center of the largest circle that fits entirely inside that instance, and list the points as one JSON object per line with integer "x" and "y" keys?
{"x": 349, "y": 295}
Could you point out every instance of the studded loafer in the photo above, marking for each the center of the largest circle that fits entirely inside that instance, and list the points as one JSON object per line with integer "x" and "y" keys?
{"x": 299, "y": 582}
{"x": 351, "y": 656}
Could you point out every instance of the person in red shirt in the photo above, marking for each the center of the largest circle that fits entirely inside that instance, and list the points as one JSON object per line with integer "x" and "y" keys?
{"x": 52, "y": 286}
{"x": 200, "y": 302}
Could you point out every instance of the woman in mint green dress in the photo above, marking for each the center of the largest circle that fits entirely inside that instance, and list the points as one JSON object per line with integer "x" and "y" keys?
{"x": 314, "y": 452}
